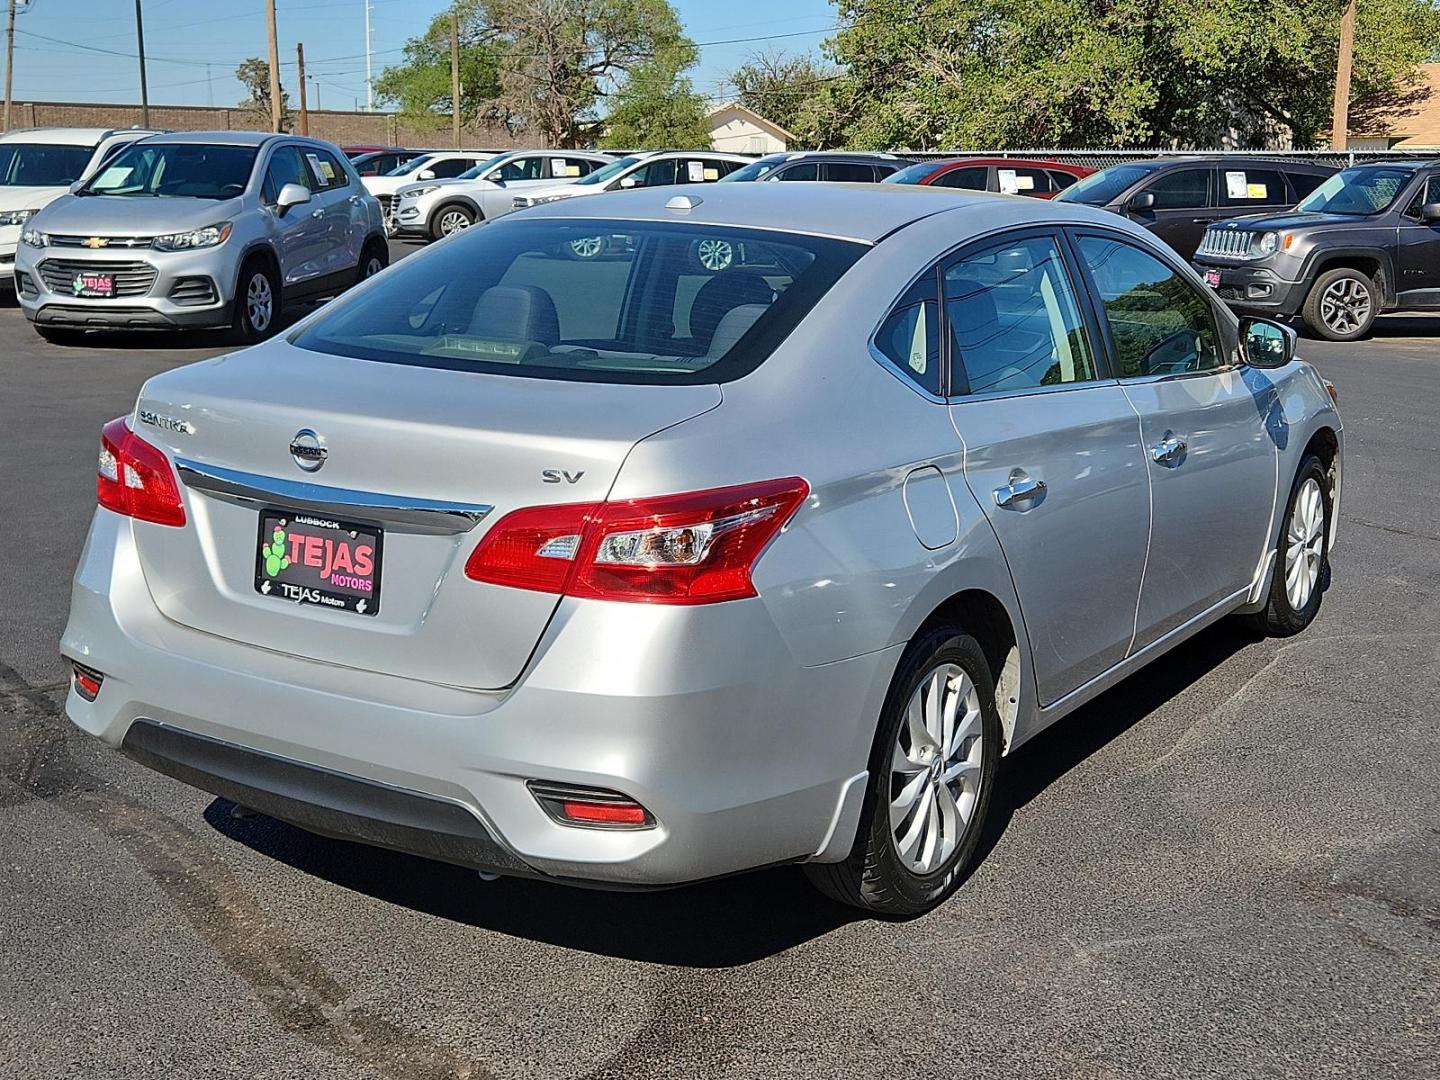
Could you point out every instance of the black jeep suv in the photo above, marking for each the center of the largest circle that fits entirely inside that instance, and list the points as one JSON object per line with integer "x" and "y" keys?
{"x": 1364, "y": 242}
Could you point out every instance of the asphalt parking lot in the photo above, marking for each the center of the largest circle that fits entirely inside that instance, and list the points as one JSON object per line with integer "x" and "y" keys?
{"x": 1229, "y": 866}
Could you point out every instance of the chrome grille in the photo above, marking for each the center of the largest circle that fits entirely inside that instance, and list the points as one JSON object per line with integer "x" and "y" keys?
{"x": 131, "y": 278}
{"x": 385, "y": 201}
{"x": 392, "y": 208}
{"x": 1228, "y": 243}
{"x": 121, "y": 243}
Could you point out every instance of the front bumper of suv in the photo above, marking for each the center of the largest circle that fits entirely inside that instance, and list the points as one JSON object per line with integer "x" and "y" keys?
{"x": 1253, "y": 289}
{"x": 155, "y": 289}
{"x": 743, "y": 757}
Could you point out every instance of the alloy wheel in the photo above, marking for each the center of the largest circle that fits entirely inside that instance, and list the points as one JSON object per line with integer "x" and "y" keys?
{"x": 587, "y": 247}
{"x": 1345, "y": 305}
{"x": 1305, "y": 549}
{"x": 715, "y": 255}
{"x": 935, "y": 770}
{"x": 452, "y": 221}
{"x": 259, "y": 302}
{"x": 373, "y": 266}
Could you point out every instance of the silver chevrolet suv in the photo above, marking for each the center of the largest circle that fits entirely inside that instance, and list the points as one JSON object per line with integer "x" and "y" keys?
{"x": 200, "y": 229}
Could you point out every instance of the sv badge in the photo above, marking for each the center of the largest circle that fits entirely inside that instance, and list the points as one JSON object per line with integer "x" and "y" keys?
{"x": 558, "y": 476}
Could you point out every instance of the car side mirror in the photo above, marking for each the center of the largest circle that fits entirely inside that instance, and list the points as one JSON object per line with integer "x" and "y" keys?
{"x": 292, "y": 195}
{"x": 627, "y": 182}
{"x": 1266, "y": 344}
{"x": 425, "y": 174}
{"x": 1144, "y": 200}
{"x": 1430, "y": 213}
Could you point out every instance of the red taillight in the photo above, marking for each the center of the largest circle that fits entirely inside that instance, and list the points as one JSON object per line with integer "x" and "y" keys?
{"x": 604, "y": 813}
{"x": 696, "y": 548}
{"x": 87, "y": 682}
{"x": 593, "y": 808}
{"x": 135, "y": 479}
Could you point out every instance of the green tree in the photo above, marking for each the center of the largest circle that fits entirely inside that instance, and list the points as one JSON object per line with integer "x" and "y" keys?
{"x": 657, "y": 107}
{"x": 975, "y": 73}
{"x": 788, "y": 89}
{"x": 541, "y": 66}
{"x": 254, "y": 75}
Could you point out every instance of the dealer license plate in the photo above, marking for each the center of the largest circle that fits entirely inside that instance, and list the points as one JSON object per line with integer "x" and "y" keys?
{"x": 1212, "y": 278}
{"x": 88, "y": 284}
{"x": 311, "y": 559}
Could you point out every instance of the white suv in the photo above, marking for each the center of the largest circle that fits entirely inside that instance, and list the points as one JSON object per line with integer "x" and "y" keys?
{"x": 432, "y": 165}
{"x": 436, "y": 208}
{"x": 640, "y": 170}
{"x": 37, "y": 166}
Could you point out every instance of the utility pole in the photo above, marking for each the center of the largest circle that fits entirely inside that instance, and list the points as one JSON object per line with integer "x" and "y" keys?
{"x": 144, "y": 87}
{"x": 1340, "y": 118}
{"x": 304, "y": 109}
{"x": 455, "y": 76}
{"x": 369, "y": 64}
{"x": 276, "y": 115}
{"x": 9, "y": 60}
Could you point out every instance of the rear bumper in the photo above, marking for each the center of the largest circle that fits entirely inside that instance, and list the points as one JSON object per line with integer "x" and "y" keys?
{"x": 744, "y": 758}
{"x": 1255, "y": 290}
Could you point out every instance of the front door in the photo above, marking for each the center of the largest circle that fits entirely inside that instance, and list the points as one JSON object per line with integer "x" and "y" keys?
{"x": 300, "y": 231}
{"x": 1418, "y": 251}
{"x": 1052, "y": 454}
{"x": 1184, "y": 205}
{"x": 1211, "y": 430}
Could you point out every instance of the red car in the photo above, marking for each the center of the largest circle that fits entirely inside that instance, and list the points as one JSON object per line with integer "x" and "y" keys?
{"x": 1013, "y": 176}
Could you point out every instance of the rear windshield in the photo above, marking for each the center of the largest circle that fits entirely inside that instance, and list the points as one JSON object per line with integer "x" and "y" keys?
{"x": 177, "y": 170}
{"x": 42, "y": 164}
{"x": 1105, "y": 186}
{"x": 593, "y": 301}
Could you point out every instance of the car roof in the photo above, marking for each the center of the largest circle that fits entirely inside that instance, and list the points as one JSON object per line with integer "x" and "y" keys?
{"x": 218, "y": 138}
{"x": 863, "y": 212}
{"x": 1219, "y": 161}
{"x": 1024, "y": 163}
{"x": 1399, "y": 163}
{"x": 62, "y": 136}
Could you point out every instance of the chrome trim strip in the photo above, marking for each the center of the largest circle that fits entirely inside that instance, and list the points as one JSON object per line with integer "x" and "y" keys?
{"x": 415, "y": 515}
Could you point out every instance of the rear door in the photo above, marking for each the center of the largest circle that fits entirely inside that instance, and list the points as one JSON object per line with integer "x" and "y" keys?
{"x": 1184, "y": 205}
{"x": 967, "y": 178}
{"x": 1418, "y": 251}
{"x": 1250, "y": 191}
{"x": 1052, "y": 452}
{"x": 1022, "y": 180}
{"x": 1211, "y": 429}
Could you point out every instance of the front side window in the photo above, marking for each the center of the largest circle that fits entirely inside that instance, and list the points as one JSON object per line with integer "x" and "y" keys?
{"x": 1160, "y": 323}
{"x": 1014, "y": 323}
{"x": 526, "y": 168}
{"x": 806, "y": 170}
{"x": 909, "y": 338}
{"x": 1429, "y": 193}
{"x": 447, "y": 168}
{"x": 176, "y": 170}
{"x": 598, "y": 301}
{"x": 651, "y": 174}
{"x": 42, "y": 164}
{"x": 976, "y": 178}
{"x": 1358, "y": 192}
{"x": 285, "y": 168}
{"x": 1187, "y": 189}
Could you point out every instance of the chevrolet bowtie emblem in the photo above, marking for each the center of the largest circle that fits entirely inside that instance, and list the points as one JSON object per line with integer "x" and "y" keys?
{"x": 96, "y": 242}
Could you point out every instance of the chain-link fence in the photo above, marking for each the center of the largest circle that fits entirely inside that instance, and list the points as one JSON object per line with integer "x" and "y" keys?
{"x": 1100, "y": 158}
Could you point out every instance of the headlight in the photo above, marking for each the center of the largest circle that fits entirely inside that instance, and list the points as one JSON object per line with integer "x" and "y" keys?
{"x": 415, "y": 193}
{"x": 1267, "y": 243}
{"x": 16, "y": 217}
{"x": 34, "y": 238}
{"x": 209, "y": 236}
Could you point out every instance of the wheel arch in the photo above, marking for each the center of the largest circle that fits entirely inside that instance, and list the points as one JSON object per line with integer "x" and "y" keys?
{"x": 259, "y": 249}
{"x": 448, "y": 201}
{"x": 986, "y": 617}
{"x": 1372, "y": 262}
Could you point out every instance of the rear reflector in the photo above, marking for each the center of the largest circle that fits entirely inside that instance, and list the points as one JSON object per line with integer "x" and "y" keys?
{"x": 695, "y": 548}
{"x": 590, "y": 808}
{"x": 87, "y": 681}
{"x": 135, "y": 479}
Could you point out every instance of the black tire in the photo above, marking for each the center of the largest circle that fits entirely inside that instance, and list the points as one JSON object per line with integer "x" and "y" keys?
{"x": 373, "y": 259}
{"x": 874, "y": 876}
{"x": 59, "y": 335}
{"x": 1342, "y": 319}
{"x": 246, "y": 327}
{"x": 450, "y": 212}
{"x": 1279, "y": 617}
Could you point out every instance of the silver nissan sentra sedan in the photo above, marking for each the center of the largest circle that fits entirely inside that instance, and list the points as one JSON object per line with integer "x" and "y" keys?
{"x": 552, "y": 552}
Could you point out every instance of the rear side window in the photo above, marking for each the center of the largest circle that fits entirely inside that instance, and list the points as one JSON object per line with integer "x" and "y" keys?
{"x": 1187, "y": 189}
{"x": 325, "y": 170}
{"x": 849, "y": 172}
{"x": 1022, "y": 181}
{"x": 975, "y": 178}
{"x": 909, "y": 338}
{"x": 597, "y": 301}
{"x": 1014, "y": 323}
{"x": 1302, "y": 184}
{"x": 1059, "y": 181}
{"x": 1252, "y": 187}
{"x": 1159, "y": 322}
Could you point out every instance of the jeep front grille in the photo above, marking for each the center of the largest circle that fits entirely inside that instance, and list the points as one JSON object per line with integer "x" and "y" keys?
{"x": 1227, "y": 243}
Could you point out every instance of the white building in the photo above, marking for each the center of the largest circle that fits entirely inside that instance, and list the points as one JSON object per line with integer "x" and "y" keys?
{"x": 738, "y": 130}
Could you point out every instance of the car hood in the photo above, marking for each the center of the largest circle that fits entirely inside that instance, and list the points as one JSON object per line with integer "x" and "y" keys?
{"x": 132, "y": 215}
{"x": 1286, "y": 220}
{"x": 28, "y": 198}
{"x": 563, "y": 191}
{"x": 409, "y": 190}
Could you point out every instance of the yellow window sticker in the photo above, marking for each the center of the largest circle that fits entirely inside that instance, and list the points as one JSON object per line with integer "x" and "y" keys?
{"x": 712, "y": 174}
{"x": 1256, "y": 191}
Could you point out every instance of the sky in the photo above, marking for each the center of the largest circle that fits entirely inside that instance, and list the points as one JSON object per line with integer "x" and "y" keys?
{"x": 84, "y": 50}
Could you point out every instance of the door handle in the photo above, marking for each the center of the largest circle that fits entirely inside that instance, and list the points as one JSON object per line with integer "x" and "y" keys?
{"x": 317, "y": 213}
{"x": 1020, "y": 489}
{"x": 1169, "y": 450}
{"x": 354, "y": 200}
